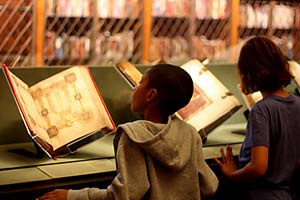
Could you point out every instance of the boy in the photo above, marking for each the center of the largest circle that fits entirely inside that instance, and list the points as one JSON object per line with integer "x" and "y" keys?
{"x": 159, "y": 157}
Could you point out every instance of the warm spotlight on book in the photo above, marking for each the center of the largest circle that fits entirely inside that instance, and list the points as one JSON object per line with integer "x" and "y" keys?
{"x": 63, "y": 112}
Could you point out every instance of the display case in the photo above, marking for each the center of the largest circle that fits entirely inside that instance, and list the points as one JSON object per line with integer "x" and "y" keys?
{"x": 27, "y": 174}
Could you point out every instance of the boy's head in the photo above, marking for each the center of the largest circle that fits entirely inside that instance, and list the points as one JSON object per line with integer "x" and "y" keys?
{"x": 262, "y": 66}
{"x": 166, "y": 86}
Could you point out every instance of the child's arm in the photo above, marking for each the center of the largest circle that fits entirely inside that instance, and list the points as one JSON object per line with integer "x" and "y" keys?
{"x": 58, "y": 194}
{"x": 131, "y": 181}
{"x": 256, "y": 168}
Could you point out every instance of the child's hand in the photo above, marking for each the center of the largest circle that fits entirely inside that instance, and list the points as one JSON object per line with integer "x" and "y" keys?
{"x": 58, "y": 194}
{"x": 227, "y": 165}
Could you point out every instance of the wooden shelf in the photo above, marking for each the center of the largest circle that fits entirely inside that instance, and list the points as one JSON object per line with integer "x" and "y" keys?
{"x": 78, "y": 26}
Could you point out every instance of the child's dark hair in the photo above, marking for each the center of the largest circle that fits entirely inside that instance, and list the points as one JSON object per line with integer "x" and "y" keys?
{"x": 262, "y": 66}
{"x": 173, "y": 84}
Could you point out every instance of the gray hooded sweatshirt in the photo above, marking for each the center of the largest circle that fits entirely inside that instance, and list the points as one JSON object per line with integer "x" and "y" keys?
{"x": 156, "y": 161}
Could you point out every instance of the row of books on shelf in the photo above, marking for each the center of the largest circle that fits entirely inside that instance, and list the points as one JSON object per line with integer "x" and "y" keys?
{"x": 119, "y": 8}
{"x": 177, "y": 50}
{"x": 84, "y": 8}
{"x": 63, "y": 46}
{"x": 283, "y": 17}
{"x": 257, "y": 16}
{"x": 215, "y": 9}
{"x": 70, "y": 8}
{"x": 111, "y": 47}
{"x": 213, "y": 50}
{"x": 168, "y": 8}
{"x": 169, "y": 49}
{"x": 285, "y": 43}
{"x": 65, "y": 111}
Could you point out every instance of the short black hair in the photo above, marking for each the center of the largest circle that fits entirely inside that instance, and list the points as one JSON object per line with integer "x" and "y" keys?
{"x": 173, "y": 84}
{"x": 262, "y": 66}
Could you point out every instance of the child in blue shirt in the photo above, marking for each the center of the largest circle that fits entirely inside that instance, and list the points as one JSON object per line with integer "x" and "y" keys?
{"x": 271, "y": 149}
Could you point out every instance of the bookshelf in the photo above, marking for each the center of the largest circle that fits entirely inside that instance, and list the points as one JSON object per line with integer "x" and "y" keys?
{"x": 100, "y": 32}
{"x": 91, "y": 31}
{"x": 278, "y": 20}
{"x": 153, "y": 30}
{"x": 193, "y": 29}
{"x": 16, "y": 31}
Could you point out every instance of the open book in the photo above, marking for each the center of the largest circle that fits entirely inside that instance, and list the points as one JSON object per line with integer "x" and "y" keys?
{"x": 250, "y": 100}
{"x": 131, "y": 74}
{"x": 62, "y": 112}
{"x": 295, "y": 69}
{"x": 211, "y": 104}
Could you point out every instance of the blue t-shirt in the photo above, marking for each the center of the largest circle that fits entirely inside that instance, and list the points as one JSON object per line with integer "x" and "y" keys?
{"x": 274, "y": 122}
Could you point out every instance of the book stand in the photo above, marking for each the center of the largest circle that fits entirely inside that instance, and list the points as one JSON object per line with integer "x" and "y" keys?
{"x": 33, "y": 152}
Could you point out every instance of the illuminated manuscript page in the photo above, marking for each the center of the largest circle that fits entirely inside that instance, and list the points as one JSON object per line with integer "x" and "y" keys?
{"x": 216, "y": 98}
{"x": 64, "y": 107}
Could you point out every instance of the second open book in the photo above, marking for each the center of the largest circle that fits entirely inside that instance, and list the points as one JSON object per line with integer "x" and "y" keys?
{"x": 211, "y": 103}
{"x": 63, "y": 112}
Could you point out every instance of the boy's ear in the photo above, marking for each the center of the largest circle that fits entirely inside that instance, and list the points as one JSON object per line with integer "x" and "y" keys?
{"x": 152, "y": 94}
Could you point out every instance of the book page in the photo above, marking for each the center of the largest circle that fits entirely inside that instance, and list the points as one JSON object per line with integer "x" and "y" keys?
{"x": 132, "y": 74}
{"x": 70, "y": 106}
{"x": 251, "y": 99}
{"x": 295, "y": 69}
{"x": 197, "y": 103}
{"x": 214, "y": 99}
{"x": 25, "y": 102}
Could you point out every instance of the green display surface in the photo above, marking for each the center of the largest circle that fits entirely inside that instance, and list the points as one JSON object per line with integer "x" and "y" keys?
{"x": 22, "y": 172}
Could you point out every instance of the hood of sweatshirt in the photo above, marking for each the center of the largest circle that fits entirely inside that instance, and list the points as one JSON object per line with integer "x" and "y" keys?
{"x": 168, "y": 143}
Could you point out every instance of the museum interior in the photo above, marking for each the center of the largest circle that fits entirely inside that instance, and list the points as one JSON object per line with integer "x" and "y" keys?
{"x": 112, "y": 42}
